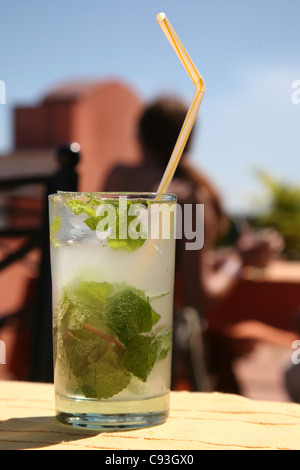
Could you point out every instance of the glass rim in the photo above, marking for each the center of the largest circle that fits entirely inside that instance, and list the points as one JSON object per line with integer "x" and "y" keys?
{"x": 116, "y": 195}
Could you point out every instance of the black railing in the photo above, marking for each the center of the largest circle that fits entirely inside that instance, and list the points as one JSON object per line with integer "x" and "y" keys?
{"x": 36, "y": 235}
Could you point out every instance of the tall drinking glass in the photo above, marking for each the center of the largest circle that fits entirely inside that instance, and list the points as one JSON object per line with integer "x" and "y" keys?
{"x": 112, "y": 263}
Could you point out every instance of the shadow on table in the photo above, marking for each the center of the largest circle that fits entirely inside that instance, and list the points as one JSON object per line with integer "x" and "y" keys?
{"x": 38, "y": 432}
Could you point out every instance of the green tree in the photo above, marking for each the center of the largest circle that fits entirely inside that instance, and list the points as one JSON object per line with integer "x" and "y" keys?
{"x": 282, "y": 213}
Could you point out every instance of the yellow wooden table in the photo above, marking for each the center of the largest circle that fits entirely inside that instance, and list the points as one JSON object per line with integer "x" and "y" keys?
{"x": 204, "y": 421}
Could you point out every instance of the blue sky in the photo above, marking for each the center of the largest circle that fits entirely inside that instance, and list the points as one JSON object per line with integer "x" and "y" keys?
{"x": 247, "y": 52}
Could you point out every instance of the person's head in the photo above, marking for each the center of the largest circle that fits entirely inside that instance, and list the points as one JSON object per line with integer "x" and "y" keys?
{"x": 160, "y": 125}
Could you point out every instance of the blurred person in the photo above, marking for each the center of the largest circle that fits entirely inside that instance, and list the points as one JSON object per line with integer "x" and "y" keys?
{"x": 292, "y": 382}
{"x": 203, "y": 276}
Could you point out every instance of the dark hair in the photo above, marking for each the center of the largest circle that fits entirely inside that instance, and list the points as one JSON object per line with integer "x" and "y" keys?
{"x": 160, "y": 125}
{"x": 159, "y": 128}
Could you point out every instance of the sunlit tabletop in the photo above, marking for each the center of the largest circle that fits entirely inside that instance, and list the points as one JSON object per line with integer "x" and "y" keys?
{"x": 198, "y": 421}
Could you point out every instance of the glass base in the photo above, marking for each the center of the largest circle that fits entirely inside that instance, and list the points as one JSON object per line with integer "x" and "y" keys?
{"x": 112, "y": 422}
{"x": 112, "y": 415}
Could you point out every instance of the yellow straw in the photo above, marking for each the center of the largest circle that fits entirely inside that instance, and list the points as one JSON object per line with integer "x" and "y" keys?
{"x": 194, "y": 107}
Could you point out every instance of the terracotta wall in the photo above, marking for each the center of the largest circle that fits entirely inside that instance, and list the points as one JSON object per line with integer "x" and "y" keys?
{"x": 104, "y": 125}
{"x": 101, "y": 117}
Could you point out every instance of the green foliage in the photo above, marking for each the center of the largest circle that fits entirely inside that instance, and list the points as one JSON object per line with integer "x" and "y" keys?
{"x": 282, "y": 213}
{"x": 105, "y": 335}
{"x": 55, "y": 227}
{"x": 117, "y": 221}
{"x": 129, "y": 314}
{"x": 141, "y": 355}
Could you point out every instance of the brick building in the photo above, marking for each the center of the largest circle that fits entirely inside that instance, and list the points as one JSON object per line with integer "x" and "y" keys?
{"x": 100, "y": 116}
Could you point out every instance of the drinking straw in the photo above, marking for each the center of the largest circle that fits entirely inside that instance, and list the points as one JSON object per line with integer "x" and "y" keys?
{"x": 194, "y": 107}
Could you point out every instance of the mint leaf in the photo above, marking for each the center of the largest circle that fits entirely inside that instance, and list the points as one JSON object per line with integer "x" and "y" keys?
{"x": 155, "y": 317}
{"x": 62, "y": 307}
{"x": 141, "y": 355}
{"x": 84, "y": 304}
{"x": 92, "y": 295}
{"x": 128, "y": 314}
{"x": 80, "y": 352}
{"x": 104, "y": 378}
{"x": 144, "y": 351}
{"x": 67, "y": 315}
{"x": 126, "y": 232}
{"x": 105, "y": 336}
{"x": 128, "y": 224}
{"x": 164, "y": 343}
{"x": 80, "y": 207}
{"x": 92, "y": 222}
{"x": 94, "y": 201}
{"x": 127, "y": 244}
{"x": 96, "y": 364}
{"x": 55, "y": 227}
{"x": 88, "y": 302}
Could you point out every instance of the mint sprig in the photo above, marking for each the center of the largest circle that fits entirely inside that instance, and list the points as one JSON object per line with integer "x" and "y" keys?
{"x": 128, "y": 314}
{"x": 107, "y": 336}
{"x": 115, "y": 224}
{"x": 141, "y": 355}
{"x": 104, "y": 378}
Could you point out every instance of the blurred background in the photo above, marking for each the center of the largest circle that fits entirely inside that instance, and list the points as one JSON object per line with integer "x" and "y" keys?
{"x": 248, "y": 55}
{"x": 81, "y": 71}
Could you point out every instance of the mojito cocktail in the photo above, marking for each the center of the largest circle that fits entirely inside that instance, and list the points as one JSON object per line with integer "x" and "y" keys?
{"x": 112, "y": 261}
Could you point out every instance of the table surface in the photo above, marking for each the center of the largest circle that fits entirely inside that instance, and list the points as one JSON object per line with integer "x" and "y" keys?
{"x": 198, "y": 421}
